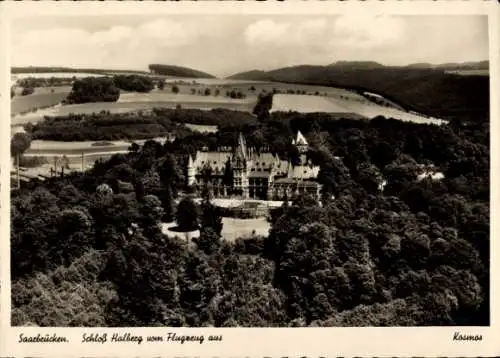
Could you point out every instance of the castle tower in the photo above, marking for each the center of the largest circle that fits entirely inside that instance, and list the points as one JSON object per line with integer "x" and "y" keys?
{"x": 301, "y": 143}
{"x": 302, "y": 146}
{"x": 240, "y": 167}
{"x": 191, "y": 171}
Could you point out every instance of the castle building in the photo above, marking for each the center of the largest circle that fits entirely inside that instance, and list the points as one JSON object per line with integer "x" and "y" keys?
{"x": 248, "y": 173}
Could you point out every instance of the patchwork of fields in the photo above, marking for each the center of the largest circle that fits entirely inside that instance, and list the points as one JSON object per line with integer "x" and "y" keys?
{"x": 340, "y": 104}
{"x": 191, "y": 94}
{"x": 128, "y": 102}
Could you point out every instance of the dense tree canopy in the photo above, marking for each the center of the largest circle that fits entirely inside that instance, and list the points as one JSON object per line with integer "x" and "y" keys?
{"x": 19, "y": 143}
{"x": 134, "y": 83}
{"x": 93, "y": 89}
{"x": 414, "y": 251}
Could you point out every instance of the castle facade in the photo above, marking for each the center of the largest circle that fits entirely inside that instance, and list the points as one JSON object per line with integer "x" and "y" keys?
{"x": 245, "y": 172}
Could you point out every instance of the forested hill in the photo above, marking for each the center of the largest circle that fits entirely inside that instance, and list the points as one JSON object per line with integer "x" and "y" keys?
{"x": 178, "y": 71}
{"x": 430, "y": 91}
{"x": 49, "y": 69}
{"x": 479, "y": 65}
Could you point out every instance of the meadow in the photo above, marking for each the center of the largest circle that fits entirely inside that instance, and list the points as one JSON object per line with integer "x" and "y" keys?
{"x": 231, "y": 230}
{"x": 340, "y": 104}
{"x": 46, "y": 147}
{"x": 202, "y": 128}
{"x": 470, "y": 72}
{"x": 42, "y": 97}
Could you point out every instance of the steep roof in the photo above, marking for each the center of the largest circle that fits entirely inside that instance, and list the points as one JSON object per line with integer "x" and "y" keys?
{"x": 262, "y": 160}
{"x": 301, "y": 140}
{"x": 216, "y": 160}
{"x": 241, "y": 148}
{"x": 304, "y": 172}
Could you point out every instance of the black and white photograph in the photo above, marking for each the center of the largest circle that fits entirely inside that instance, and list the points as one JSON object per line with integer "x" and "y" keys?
{"x": 250, "y": 170}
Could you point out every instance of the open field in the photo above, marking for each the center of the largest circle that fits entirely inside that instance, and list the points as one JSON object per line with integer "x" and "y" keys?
{"x": 186, "y": 99}
{"x": 143, "y": 104}
{"x": 18, "y": 76}
{"x": 245, "y": 87}
{"x": 209, "y": 81}
{"x": 317, "y": 99}
{"x": 471, "y": 72}
{"x": 307, "y": 104}
{"x": 231, "y": 230}
{"x": 41, "y": 98}
{"x": 180, "y": 98}
{"x": 202, "y": 128}
{"x": 362, "y": 107}
{"x": 49, "y": 147}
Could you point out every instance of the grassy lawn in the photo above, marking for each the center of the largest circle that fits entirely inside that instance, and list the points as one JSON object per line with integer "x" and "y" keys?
{"x": 202, "y": 128}
{"x": 232, "y": 229}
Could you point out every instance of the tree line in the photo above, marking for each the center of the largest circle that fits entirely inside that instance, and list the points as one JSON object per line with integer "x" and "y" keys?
{"x": 106, "y": 88}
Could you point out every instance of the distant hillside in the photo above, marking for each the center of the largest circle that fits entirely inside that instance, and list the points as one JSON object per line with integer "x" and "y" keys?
{"x": 177, "y": 71}
{"x": 479, "y": 65}
{"x": 255, "y": 75}
{"x": 429, "y": 91}
{"x": 42, "y": 69}
{"x": 356, "y": 64}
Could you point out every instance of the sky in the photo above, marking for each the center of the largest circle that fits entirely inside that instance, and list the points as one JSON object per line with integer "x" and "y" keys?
{"x": 223, "y": 45}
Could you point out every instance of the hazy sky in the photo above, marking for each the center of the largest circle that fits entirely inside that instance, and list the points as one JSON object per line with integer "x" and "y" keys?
{"x": 223, "y": 45}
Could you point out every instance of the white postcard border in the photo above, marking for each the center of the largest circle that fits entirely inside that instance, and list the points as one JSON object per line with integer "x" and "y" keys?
{"x": 272, "y": 342}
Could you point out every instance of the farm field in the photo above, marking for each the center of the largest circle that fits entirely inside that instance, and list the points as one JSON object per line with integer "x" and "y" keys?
{"x": 18, "y": 76}
{"x": 41, "y": 98}
{"x": 181, "y": 98}
{"x": 210, "y": 81}
{"x": 283, "y": 87}
{"x": 123, "y": 107}
{"x": 49, "y": 147}
{"x": 202, "y": 128}
{"x": 471, "y": 72}
{"x": 231, "y": 230}
{"x": 360, "y": 106}
{"x": 307, "y": 104}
